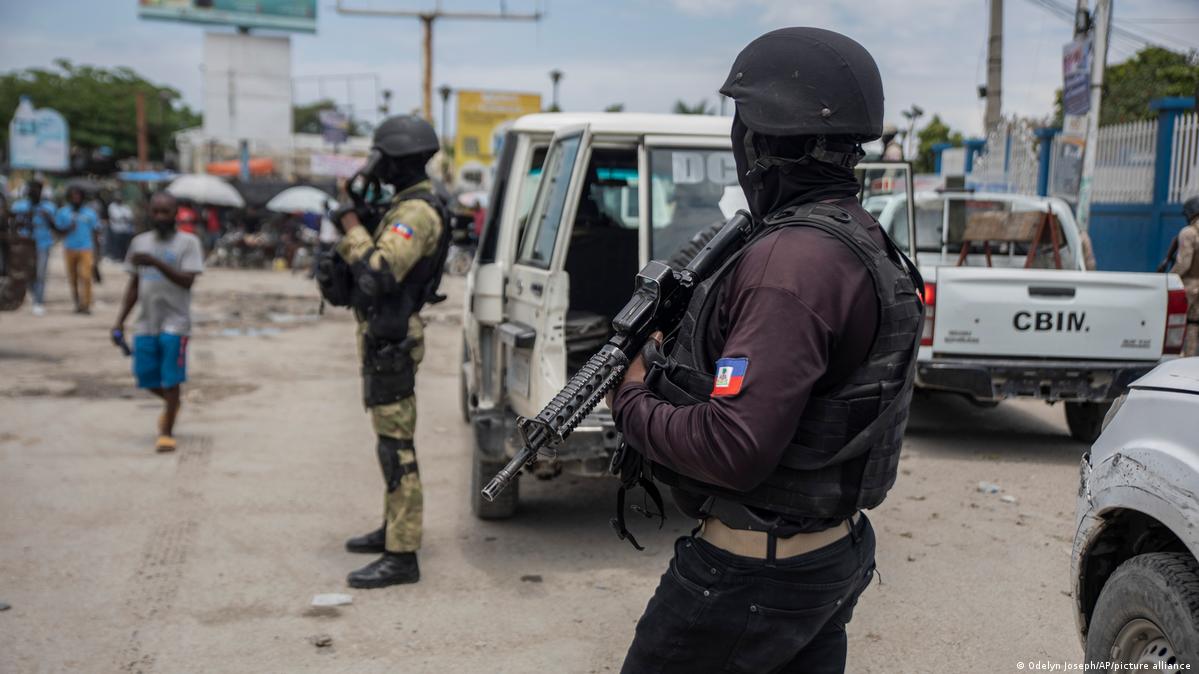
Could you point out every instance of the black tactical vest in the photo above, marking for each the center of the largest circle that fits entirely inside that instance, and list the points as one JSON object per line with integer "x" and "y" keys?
{"x": 388, "y": 308}
{"x": 845, "y": 454}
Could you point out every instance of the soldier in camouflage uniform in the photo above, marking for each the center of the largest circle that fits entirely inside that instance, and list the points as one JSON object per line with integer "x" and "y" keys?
{"x": 386, "y": 273}
{"x": 1186, "y": 265}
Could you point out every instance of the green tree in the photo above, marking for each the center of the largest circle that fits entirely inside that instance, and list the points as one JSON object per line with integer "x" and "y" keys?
{"x": 306, "y": 118}
{"x": 99, "y": 105}
{"x": 936, "y": 131}
{"x": 615, "y": 107}
{"x": 681, "y": 107}
{"x": 1128, "y": 87}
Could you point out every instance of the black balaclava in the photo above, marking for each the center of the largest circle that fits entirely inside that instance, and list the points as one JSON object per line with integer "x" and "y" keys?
{"x": 403, "y": 172}
{"x": 801, "y": 181}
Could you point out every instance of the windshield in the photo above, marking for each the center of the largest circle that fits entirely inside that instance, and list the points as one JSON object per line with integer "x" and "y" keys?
{"x": 1008, "y": 227}
{"x": 690, "y": 189}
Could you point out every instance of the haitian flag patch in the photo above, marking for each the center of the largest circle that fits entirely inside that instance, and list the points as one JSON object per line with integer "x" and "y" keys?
{"x": 402, "y": 229}
{"x": 730, "y": 375}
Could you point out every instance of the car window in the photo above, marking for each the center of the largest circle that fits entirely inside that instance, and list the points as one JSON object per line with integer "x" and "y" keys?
{"x": 686, "y": 188}
{"x": 545, "y": 218}
{"x": 930, "y": 219}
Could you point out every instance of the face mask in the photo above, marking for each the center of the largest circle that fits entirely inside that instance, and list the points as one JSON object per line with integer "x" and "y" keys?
{"x": 163, "y": 226}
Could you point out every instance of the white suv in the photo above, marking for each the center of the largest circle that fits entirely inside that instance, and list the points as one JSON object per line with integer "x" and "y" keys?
{"x": 1134, "y": 569}
{"x": 579, "y": 203}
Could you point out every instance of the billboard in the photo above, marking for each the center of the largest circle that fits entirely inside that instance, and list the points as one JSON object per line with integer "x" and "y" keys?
{"x": 293, "y": 15}
{"x": 247, "y": 87}
{"x": 38, "y": 138}
{"x": 335, "y": 126}
{"x": 482, "y": 119}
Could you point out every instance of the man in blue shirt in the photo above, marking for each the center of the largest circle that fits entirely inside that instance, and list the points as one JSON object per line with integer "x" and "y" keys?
{"x": 35, "y": 217}
{"x": 81, "y": 230}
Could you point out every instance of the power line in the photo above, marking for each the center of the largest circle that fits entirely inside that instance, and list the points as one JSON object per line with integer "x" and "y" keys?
{"x": 1067, "y": 13}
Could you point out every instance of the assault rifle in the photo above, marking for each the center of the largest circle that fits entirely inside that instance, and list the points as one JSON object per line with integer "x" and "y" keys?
{"x": 659, "y": 301}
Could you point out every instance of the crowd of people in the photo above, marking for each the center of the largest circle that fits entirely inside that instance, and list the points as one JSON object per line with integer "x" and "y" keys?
{"x": 89, "y": 223}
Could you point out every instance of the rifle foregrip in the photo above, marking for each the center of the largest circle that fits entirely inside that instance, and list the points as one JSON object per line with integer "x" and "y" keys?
{"x": 582, "y": 393}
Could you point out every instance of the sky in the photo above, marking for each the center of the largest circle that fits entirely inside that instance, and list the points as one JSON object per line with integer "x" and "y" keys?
{"x": 644, "y": 54}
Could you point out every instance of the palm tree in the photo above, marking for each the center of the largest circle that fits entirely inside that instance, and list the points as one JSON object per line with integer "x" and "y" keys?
{"x": 701, "y": 108}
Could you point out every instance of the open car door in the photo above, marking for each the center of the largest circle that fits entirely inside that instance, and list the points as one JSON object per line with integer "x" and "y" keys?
{"x": 537, "y": 292}
{"x": 883, "y": 182}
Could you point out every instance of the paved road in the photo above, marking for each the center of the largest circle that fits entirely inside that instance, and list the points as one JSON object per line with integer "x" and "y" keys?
{"x": 117, "y": 559}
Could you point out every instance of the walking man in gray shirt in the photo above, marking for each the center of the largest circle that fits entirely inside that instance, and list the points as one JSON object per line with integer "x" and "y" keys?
{"x": 162, "y": 264}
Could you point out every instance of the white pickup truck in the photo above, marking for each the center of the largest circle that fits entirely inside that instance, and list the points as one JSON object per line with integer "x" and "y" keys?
{"x": 1002, "y": 324}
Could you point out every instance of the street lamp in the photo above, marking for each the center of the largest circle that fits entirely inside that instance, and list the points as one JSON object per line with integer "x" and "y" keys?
{"x": 911, "y": 114}
{"x": 385, "y": 107}
{"x": 445, "y": 92}
{"x": 555, "y": 76}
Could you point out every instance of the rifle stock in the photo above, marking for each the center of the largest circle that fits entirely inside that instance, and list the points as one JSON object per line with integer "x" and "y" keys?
{"x": 658, "y": 303}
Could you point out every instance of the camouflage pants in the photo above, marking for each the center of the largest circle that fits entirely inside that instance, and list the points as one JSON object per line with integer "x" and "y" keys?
{"x": 403, "y": 507}
{"x": 1190, "y": 345}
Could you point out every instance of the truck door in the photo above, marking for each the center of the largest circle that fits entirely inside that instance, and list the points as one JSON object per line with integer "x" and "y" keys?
{"x": 517, "y": 173}
{"x": 537, "y": 291}
{"x": 887, "y": 187}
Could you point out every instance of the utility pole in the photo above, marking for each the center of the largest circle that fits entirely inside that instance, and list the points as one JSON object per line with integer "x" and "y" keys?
{"x": 427, "y": 18}
{"x": 1102, "y": 27}
{"x": 994, "y": 87}
{"x": 143, "y": 145}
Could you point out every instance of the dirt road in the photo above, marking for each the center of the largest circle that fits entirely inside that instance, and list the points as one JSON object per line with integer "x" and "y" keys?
{"x": 117, "y": 559}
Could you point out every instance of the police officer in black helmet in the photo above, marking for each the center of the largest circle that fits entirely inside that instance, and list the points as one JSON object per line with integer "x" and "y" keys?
{"x": 776, "y": 410}
{"x": 386, "y": 267}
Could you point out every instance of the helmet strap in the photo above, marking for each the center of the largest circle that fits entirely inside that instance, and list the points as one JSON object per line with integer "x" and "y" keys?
{"x": 818, "y": 149}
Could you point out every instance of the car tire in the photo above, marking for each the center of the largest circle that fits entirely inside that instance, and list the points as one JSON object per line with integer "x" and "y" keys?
{"x": 504, "y": 505}
{"x": 1085, "y": 420}
{"x": 1148, "y": 612}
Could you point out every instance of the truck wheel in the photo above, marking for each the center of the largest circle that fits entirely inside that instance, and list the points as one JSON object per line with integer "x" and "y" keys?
{"x": 504, "y": 505}
{"x": 1148, "y": 613}
{"x": 1086, "y": 420}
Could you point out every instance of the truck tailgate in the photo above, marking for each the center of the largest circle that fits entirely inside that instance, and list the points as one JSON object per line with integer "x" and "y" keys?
{"x": 1047, "y": 313}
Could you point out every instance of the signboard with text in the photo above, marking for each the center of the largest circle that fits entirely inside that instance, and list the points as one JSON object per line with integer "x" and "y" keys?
{"x": 482, "y": 116}
{"x": 291, "y": 15}
{"x": 1076, "y": 77}
{"x": 38, "y": 139}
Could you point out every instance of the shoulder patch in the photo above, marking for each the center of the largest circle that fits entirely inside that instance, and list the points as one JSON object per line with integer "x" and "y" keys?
{"x": 402, "y": 229}
{"x": 730, "y": 377}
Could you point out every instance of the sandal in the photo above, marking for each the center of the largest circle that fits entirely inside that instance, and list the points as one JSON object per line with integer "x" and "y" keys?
{"x": 165, "y": 444}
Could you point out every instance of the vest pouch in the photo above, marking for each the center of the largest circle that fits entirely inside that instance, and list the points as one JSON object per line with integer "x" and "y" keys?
{"x": 827, "y": 425}
{"x": 388, "y": 371}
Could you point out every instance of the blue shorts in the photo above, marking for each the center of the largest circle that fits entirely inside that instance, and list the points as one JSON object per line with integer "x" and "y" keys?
{"x": 159, "y": 361}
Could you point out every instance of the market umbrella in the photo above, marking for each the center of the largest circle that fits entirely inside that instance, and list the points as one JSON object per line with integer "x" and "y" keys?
{"x": 88, "y": 185}
{"x": 301, "y": 199}
{"x": 204, "y": 189}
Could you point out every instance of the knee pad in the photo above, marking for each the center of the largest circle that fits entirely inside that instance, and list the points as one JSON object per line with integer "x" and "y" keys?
{"x": 389, "y": 460}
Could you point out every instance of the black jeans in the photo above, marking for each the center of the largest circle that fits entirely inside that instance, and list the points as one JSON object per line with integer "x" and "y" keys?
{"x": 715, "y": 611}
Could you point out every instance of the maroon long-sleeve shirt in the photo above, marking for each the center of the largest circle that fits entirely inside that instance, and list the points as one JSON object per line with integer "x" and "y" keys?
{"x": 802, "y": 309}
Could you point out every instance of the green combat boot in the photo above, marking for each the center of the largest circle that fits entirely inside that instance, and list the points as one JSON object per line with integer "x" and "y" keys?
{"x": 393, "y": 568}
{"x": 370, "y": 543}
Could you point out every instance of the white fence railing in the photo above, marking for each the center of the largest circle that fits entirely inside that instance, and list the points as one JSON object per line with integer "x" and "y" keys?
{"x": 1184, "y": 162}
{"x": 1124, "y": 163}
{"x": 1008, "y": 162}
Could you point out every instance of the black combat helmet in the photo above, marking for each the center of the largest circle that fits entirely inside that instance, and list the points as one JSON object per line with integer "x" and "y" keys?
{"x": 1190, "y": 209}
{"x": 405, "y": 135}
{"x": 807, "y": 82}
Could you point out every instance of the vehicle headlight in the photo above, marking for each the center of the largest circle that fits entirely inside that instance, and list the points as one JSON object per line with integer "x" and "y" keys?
{"x": 1111, "y": 412}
